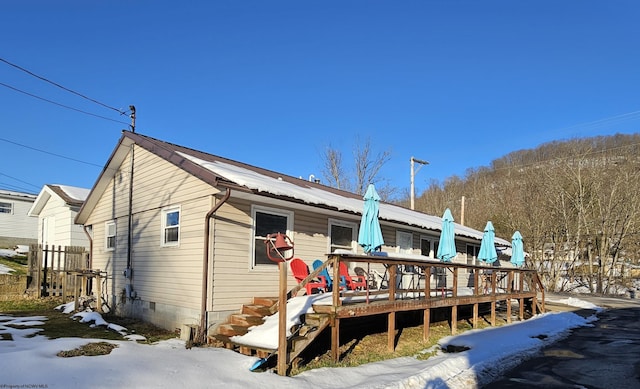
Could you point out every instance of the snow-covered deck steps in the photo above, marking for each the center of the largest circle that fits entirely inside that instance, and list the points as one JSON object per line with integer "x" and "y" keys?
{"x": 253, "y": 314}
{"x": 238, "y": 324}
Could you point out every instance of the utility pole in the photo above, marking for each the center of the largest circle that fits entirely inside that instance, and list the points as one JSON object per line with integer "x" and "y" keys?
{"x": 413, "y": 174}
{"x": 132, "y": 108}
{"x": 462, "y": 211}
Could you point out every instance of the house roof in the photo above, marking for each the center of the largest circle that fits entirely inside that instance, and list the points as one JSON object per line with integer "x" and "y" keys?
{"x": 218, "y": 171}
{"x": 17, "y": 195}
{"x": 71, "y": 195}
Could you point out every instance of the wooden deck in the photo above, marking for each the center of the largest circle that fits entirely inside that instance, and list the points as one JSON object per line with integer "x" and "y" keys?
{"x": 431, "y": 284}
{"x": 402, "y": 284}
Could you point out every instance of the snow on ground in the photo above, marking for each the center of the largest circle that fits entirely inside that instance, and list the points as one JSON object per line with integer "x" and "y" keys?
{"x": 5, "y": 269}
{"x": 7, "y": 253}
{"x": 576, "y": 302}
{"x": 169, "y": 364}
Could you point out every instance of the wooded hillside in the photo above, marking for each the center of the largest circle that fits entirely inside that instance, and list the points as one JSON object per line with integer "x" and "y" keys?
{"x": 575, "y": 202}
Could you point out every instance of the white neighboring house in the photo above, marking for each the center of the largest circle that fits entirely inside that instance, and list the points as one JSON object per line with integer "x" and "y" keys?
{"x": 16, "y": 227}
{"x": 56, "y": 208}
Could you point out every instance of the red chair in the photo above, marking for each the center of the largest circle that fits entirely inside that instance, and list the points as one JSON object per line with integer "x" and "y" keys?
{"x": 353, "y": 282}
{"x": 301, "y": 271}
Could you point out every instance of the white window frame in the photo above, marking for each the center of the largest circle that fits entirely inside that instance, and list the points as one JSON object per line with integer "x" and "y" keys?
{"x": 164, "y": 212}
{"x": 432, "y": 240}
{"x": 5, "y": 206}
{"x": 272, "y": 211}
{"x": 343, "y": 223}
{"x": 399, "y": 234}
{"x": 107, "y": 225}
{"x": 474, "y": 259}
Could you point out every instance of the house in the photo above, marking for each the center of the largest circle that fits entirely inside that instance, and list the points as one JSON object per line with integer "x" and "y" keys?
{"x": 16, "y": 227}
{"x": 181, "y": 233}
{"x": 55, "y": 209}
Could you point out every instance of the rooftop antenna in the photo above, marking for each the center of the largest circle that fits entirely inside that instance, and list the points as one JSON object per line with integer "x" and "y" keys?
{"x": 132, "y": 108}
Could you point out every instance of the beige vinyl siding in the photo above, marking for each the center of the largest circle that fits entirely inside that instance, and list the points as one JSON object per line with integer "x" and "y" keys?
{"x": 311, "y": 237}
{"x": 234, "y": 282}
{"x": 165, "y": 275}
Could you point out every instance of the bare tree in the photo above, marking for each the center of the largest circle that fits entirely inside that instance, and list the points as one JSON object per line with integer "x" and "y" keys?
{"x": 575, "y": 202}
{"x": 332, "y": 170}
{"x": 366, "y": 169}
{"x": 367, "y": 166}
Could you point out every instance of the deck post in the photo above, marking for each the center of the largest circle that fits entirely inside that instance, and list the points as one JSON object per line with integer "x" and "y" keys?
{"x": 426, "y": 321}
{"x": 391, "y": 317}
{"x": 282, "y": 321}
{"x": 427, "y": 324}
{"x": 509, "y": 291}
{"x": 476, "y": 279}
{"x": 335, "y": 339}
{"x": 335, "y": 322}
{"x": 521, "y": 286}
{"x": 493, "y": 298}
{"x": 454, "y": 307}
{"x": 336, "y": 281}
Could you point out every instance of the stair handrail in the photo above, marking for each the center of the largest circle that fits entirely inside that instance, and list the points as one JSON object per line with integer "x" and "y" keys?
{"x": 312, "y": 275}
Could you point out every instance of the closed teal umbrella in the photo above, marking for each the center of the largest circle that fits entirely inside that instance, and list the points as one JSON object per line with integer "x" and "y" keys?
{"x": 517, "y": 249}
{"x": 488, "y": 252}
{"x": 447, "y": 244}
{"x": 370, "y": 235}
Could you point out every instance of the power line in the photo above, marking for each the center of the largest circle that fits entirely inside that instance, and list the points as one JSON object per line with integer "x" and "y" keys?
{"x": 62, "y": 87}
{"x": 48, "y": 152}
{"x": 15, "y": 187}
{"x": 17, "y": 179}
{"x": 61, "y": 105}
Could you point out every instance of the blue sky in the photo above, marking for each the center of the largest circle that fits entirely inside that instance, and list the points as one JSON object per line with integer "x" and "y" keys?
{"x": 273, "y": 83}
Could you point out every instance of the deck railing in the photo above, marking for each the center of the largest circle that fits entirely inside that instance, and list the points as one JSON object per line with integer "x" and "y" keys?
{"x": 397, "y": 283}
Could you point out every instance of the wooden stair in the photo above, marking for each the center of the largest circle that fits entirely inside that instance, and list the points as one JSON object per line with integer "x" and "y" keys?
{"x": 253, "y": 314}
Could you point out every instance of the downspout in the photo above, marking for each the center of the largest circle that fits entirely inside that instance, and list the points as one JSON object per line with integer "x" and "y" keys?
{"x": 200, "y": 338}
{"x": 130, "y": 216}
{"x": 90, "y": 264}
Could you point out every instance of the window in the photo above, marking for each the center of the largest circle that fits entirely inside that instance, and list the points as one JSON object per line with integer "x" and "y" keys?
{"x": 342, "y": 236}
{"x": 267, "y": 221}
{"x": 472, "y": 253}
{"x": 170, "y": 227}
{"x": 110, "y": 235}
{"x": 404, "y": 242}
{"x": 6, "y": 208}
{"x": 426, "y": 245}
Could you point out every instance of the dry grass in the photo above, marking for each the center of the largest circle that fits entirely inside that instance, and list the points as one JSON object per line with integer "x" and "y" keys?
{"x": 60, "y": 325}
{"x": 365, "y": 340}
{"x": 17, "y": 263}
{"x": 91, "y": 349}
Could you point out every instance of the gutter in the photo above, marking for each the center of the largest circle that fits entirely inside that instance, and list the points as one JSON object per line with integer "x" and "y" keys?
{"x": 200, "y": 337}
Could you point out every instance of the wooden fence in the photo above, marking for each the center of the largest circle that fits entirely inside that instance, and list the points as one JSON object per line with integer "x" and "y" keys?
{"x": 53, "y": 269}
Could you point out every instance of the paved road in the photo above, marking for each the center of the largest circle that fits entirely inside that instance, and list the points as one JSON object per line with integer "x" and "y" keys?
{"x": 604, "y": 356}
